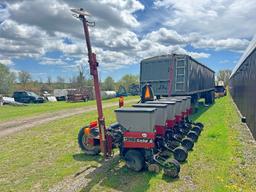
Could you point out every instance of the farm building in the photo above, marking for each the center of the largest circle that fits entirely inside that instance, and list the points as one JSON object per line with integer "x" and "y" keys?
{"x": 242, "y": 85}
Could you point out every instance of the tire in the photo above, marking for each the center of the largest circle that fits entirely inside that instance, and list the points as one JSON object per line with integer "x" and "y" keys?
{"x": 188, "y": 143}
{"x": 177, "y": 137}
{"x": 85, "y": 147}
{"x": 209, "y": 98}
{"x": 201, "y": 125}
{"x": 196, "y": 129}
{"x": 180, "y": 154}
{"x": 154, "y": 167}
{"x": 134, "y": 160}
{"x": 172, "y": 168}
{"x": 193, "y": 135}
{"x": 184, "y": 130}
{"x": 174, "y": 143}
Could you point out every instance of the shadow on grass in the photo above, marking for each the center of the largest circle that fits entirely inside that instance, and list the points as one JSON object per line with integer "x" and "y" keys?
{"x": 201, "y": 110}
{"x": 84, "y": 157}
{"x": 113, "y": 174}
{"x": 169, "y": 179}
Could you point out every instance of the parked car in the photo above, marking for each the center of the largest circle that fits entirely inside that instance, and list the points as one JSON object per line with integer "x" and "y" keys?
{"x": 27, "y": 97}
{"x": 220, "y": 91}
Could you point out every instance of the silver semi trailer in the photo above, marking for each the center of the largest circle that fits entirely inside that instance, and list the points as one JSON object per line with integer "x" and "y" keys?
{"x": 178, "y": 75}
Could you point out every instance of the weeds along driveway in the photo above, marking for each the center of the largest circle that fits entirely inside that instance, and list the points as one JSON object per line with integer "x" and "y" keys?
{"x": 10, "y": 127}
{"x": 47, "y": 157}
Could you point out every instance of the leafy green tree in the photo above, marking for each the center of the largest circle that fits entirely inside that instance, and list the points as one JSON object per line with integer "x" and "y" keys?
{"x": 108, "y": 84}
{"x": 223, "y": 75}
{"x": 24, "y": 78}
{"x": 7, "y": 80}
{"x": 128, "y": 80}
{"x": 80, "y": 80}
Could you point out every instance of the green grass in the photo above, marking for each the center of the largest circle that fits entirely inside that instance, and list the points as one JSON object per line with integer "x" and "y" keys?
{"x": 215, "y": 164}
{"x": 38, "y": 158}
{"x": 16, "y": 112}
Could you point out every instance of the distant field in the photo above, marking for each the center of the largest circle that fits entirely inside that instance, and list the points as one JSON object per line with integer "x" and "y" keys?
{"x": 39, "y": 158}
{"x": 14, "y": 112}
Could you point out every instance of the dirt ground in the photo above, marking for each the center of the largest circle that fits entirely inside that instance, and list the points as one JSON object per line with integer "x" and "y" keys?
{"x": 10, "y": 127}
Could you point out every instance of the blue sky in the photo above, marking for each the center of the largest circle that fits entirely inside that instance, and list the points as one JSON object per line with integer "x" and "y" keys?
{"x": 43, "y": 38}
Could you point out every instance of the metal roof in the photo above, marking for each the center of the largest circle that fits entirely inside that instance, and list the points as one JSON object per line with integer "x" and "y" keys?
{"x": 246, "y": 54}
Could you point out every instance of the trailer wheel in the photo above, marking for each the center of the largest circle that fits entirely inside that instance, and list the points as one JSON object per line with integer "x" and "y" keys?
{"x": 134, "y": 160}
{"x": 197, "y": 129}
{"x": 172, "y": 168}
{"x": 209, "y": 98}
{"x": 193, "y": 135}
{"x": 180, "y": 154}
{"x": 85, "y": 146}
{"x": 187, "y": 143}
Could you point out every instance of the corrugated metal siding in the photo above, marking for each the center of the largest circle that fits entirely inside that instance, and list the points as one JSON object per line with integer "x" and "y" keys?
{"x": 156, "y": 71}
{"x": 200, "y": 77}
{"x": 243, "y": 88}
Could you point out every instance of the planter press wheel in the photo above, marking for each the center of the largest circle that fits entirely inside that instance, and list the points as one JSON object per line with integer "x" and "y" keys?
{"x": 171, "y": 168}
{"x": 188, "y": 143}
{"x": 189, "y": 125}
{"x": 193, "y": 135}
{"x": 86, "y": 147}
{"x": 197, "y": 129}
{"x": 154, "y": 168}
{"x": 134, "y": 160}
{"x": 201, "y": 125}
{"x": 180, "y": 154}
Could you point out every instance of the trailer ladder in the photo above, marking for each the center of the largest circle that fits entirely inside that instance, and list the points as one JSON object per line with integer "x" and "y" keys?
{"x": 180, "y": 75}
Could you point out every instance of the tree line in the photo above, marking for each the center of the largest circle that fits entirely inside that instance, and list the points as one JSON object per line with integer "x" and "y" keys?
{"x": 10, "y": 81}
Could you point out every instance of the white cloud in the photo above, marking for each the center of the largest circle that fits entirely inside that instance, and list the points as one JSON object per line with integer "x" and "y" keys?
{"x": 215, "y": 18}
{"x": 51, "y": 61}
{"x": 198, "y": 55}
{"x": 35, "y": 28}
{"x": 170, "y": 37}
{"x": 18, "y": 40}
{"x": 5, "y": 61}
{"x": 230, "y": 44}
{"x": 4, "y": 13}
{"x": 164, "y": 35}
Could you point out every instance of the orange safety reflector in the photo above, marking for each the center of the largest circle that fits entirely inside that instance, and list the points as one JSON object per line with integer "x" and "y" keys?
{"x": 87, "y": 131}
{"x": 147, "y": 93}
{"x": 121, "y": 101}
{"x": 93, "y": 124}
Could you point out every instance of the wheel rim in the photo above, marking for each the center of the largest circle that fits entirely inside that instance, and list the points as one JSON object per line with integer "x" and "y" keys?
{"x": 86, "y": 144}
